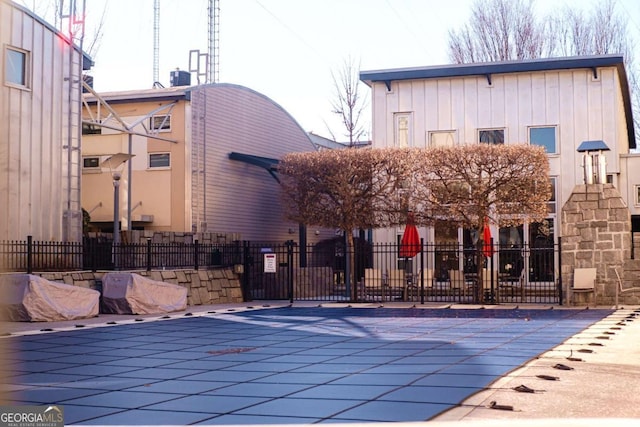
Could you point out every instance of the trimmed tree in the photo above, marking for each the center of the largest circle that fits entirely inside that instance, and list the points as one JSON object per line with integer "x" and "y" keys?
{"x": 472, "y": 184}
{"x": 463, "y": 185}
{"x": 344, "y": 189}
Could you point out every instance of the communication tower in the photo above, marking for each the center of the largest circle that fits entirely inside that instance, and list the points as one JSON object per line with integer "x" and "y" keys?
{"x": 214, "y": 40}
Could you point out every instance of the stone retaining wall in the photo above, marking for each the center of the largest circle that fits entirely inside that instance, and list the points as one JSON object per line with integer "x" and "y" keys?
{"x": 204, "y": 287}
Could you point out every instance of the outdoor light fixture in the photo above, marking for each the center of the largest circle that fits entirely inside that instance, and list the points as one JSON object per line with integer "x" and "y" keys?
{"x": 116, "y": 175}
{"x": 594, "y": 162}
{"x": 114, "y": 162}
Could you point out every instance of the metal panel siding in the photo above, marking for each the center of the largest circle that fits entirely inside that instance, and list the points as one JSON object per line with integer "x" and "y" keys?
{"x": 242, "y": 198}
{"x": 32, "y": 200}
{"x": 419, "y": 138}
{"x": 497, "y": 104}
{"x": 471, "y": 112}
{"x": 582, "y": 108}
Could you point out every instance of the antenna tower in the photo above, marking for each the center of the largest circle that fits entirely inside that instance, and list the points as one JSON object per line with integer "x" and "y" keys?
{"x": 214, "y": 40}
{"x": 156, "y": 41}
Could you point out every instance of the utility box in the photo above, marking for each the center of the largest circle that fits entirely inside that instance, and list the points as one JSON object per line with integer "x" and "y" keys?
{"x": 180, "y": 78}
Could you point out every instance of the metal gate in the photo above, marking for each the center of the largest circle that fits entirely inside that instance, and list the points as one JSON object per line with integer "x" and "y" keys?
{"x": 439, "y": 273}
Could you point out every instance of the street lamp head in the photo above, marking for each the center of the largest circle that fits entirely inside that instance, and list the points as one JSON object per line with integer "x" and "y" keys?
{"x": 117, "y": 175}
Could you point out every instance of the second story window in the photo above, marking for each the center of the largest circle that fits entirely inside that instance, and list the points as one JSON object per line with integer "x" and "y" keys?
{"x": 544, "y": 136}
{"x": 160, "y": 123}
{"x": 16, "y": 67}
{"x": 403, "y": 130}
{"x": 91, "y": 163}
{"x": 91, "y": 129}
{"x": 441, "y": 138}
{"x": 159, "y": 160}
{"x": 491, "y": 136}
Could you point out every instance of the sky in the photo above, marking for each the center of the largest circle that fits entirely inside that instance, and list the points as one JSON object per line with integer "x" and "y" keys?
{"x": 284, "y": 49}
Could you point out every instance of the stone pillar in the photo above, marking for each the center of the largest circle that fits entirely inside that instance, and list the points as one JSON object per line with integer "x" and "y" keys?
{"x": 596, "y": 232}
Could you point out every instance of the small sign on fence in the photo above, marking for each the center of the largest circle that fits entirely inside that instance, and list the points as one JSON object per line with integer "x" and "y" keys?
{"x": 270, "y": 263}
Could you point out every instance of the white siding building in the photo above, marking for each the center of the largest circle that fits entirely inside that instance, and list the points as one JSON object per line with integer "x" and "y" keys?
{"x": 557, "y": 103}
{"x": 40, "y": 102}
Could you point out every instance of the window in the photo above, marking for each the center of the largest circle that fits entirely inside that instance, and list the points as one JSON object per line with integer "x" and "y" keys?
{"x": 491, "y": 136}
{"x": 91, "y": 162}
{"x": 159, "y": 160}
{"x": 637, "y": 192}
{"x": 544, "y": 137}
{"x": 442, "y": 139}
{"x": 403, "y": 130}
{"x": 16, "y": 67}
{"x": 552, "y": 201}
{"x": 91, "y": 129}
{"x": 160, "y": 123}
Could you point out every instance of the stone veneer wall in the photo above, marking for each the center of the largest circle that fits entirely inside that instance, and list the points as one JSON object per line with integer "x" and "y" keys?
{"x": 141, "y": 236}
{"x": 596, "y": 232}
{"x": 204, "y": 287}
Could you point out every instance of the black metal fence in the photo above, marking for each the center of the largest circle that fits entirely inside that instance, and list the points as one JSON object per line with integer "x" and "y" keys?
{"x": 101, "y": 254}
{"x": 439, "y": 273}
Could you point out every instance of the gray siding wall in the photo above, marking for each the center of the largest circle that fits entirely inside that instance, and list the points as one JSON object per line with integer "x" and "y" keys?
{"x": 234, "y": 196}
{"x": 39, "y": 135}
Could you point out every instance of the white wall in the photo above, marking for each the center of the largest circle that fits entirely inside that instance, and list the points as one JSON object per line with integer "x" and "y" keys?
{"x": 581, "y": 106}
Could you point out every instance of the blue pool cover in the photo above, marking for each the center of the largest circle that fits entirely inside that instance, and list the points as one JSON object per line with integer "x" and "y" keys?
{"x": 282, "y": 365}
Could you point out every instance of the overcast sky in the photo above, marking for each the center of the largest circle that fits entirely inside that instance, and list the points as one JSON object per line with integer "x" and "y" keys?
{"x": 284, "y": 49}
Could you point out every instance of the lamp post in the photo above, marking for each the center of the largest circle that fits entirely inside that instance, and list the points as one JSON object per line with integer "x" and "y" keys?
{"x": 116, "y": 207}
{"x": 114, "y": 162}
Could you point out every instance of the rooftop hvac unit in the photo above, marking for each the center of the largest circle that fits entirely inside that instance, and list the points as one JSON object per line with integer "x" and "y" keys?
{"x": 180, "y": 78}
{"x": 89, "y": 81}
{"x": 142, "y": 218}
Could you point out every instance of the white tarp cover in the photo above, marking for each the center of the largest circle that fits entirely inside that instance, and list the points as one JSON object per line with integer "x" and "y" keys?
{"x": 30, "y": 298}
{"x": 130, "y": 293}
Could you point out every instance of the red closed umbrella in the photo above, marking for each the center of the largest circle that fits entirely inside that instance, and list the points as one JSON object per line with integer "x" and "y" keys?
{"x": 410, "y": 243}
{"x": 487, "y": 248}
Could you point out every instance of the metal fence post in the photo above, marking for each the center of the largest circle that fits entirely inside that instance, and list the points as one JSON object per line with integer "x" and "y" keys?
{"x": 421, "y": 271}
{"x": 247, "y": 262}
{"x": 290, "y": 269}
{"x": 196, "y": 254}
{"x": 560, "y": 269}
{"x": 29, "y": 254}
{"x": 148, "y": 254}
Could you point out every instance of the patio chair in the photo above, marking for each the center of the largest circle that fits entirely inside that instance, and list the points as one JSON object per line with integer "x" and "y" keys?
{"x": 373, "y": 281}
{"x": 620, "y": 290}
{"x": 487, "y": 278}
{"x": 584, "y": 281}
{"x": 457, "y": 282}
{"x": 397, "y": 284}
{"x": 425, "y": 275}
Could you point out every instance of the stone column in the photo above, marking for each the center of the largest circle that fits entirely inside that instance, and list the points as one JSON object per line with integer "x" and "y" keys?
{"x": 596, "y": 232}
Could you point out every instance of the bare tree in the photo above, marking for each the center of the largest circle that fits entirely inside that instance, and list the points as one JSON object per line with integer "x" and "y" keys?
{"x": 53, "y": 10}
{"x": 501, "y": 30}
{"x": 349, "y": 102}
